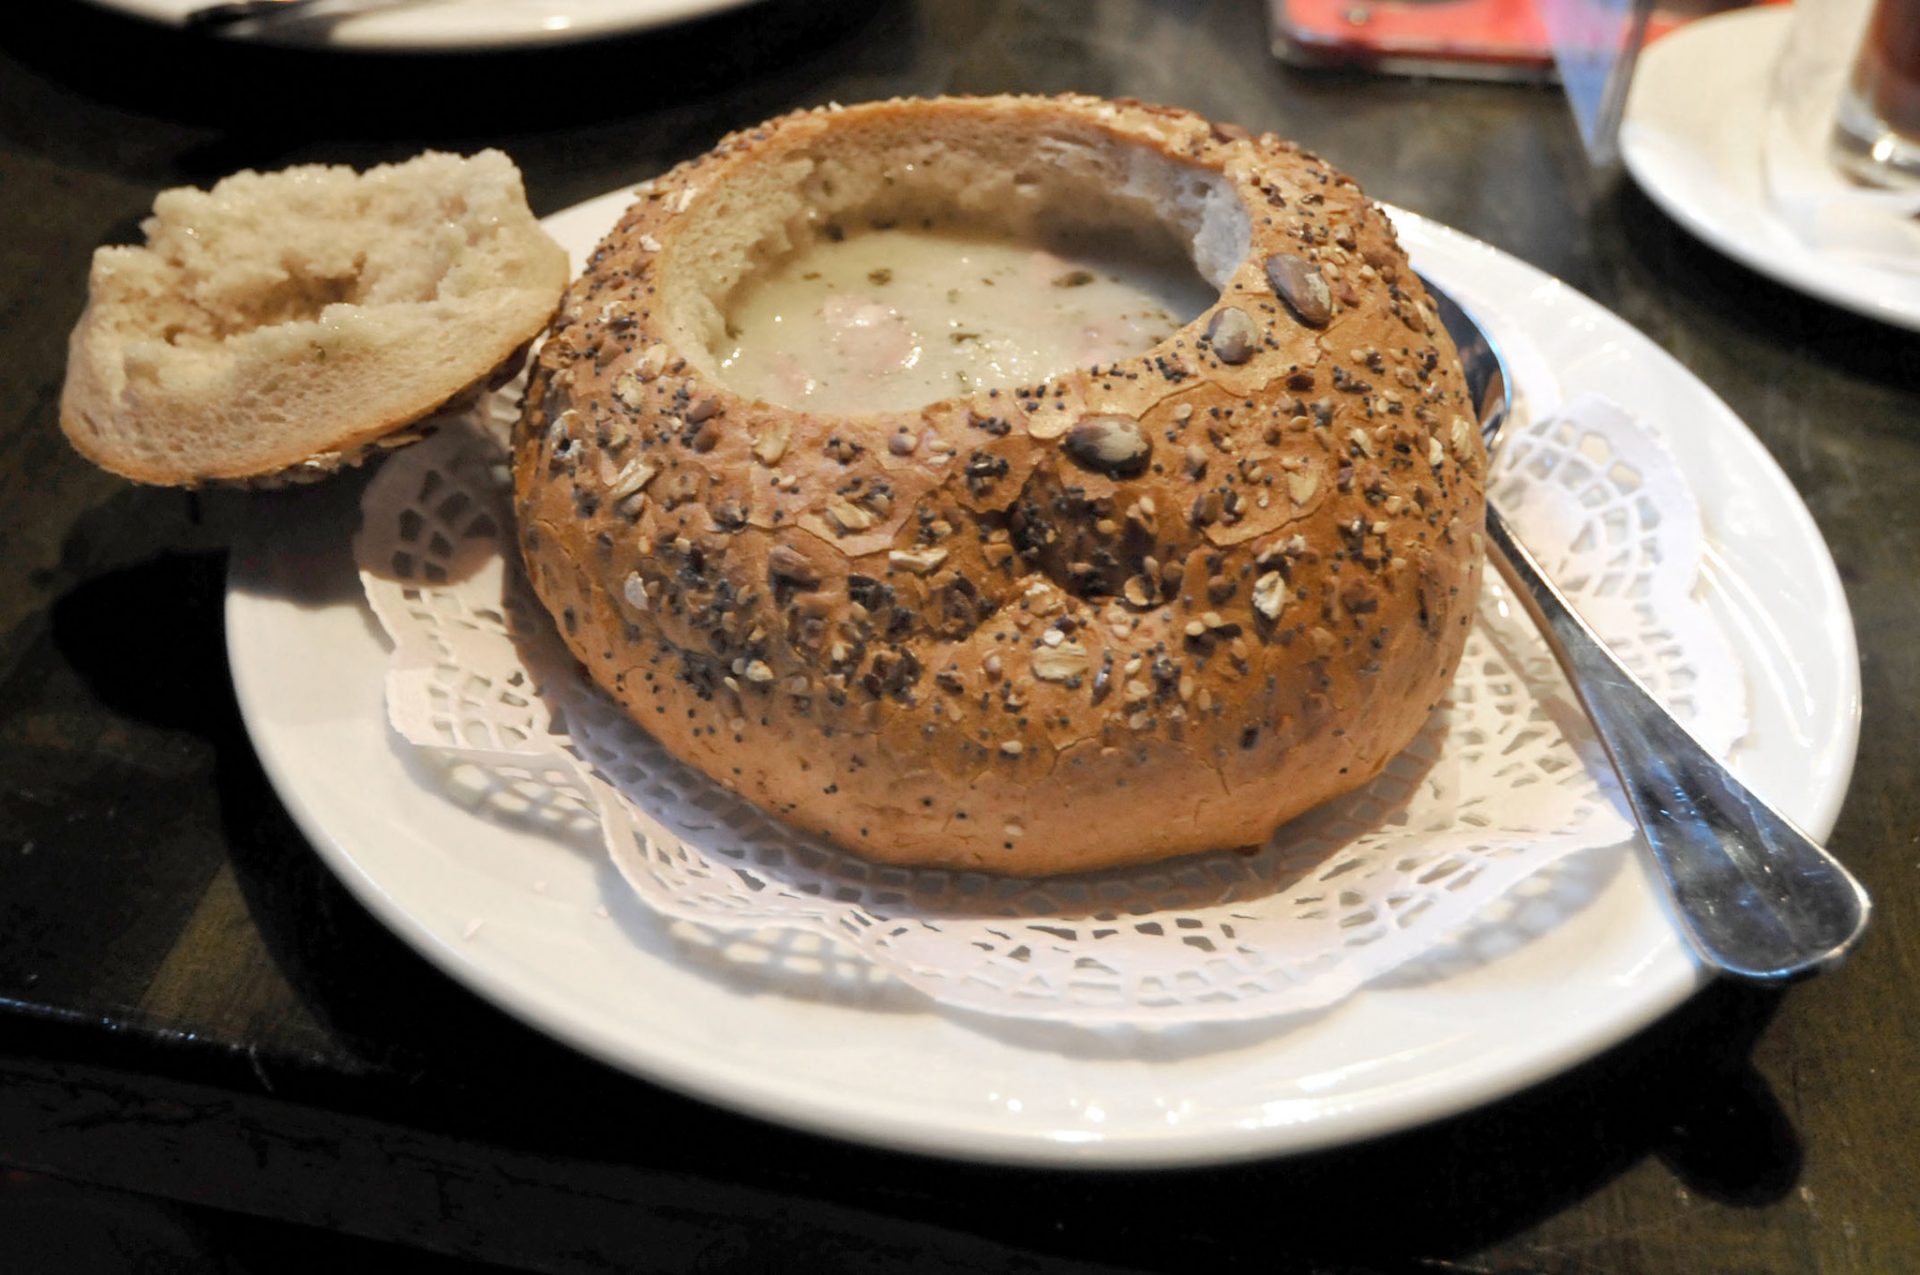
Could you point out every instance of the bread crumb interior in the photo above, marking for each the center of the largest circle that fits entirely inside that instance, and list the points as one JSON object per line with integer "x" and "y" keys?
{"x": 268, "y": 251}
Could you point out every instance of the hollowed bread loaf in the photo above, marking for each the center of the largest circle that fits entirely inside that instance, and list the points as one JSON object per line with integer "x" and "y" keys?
{"x": 1129, "y": 612}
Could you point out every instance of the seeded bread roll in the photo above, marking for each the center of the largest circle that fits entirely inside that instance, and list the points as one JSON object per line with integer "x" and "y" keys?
{"x": 1134, "y": 611}
{"x": 284, "y": 324}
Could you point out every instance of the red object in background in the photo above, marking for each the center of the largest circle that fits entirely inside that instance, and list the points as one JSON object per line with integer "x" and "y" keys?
{"x": 1493, "y": 39}
{"x": 1478, "y": 39}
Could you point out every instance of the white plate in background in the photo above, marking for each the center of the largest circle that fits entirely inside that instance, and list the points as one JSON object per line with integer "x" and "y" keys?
{"x": 444, "y": 25}
{"x": 1692, "y": 139}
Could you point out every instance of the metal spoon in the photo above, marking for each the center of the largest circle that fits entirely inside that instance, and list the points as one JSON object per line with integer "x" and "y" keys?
{"x": 1755, "y": 896}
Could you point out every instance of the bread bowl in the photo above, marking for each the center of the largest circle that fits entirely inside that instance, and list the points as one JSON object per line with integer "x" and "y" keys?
{"x": 282, "y": 325}
{"x": 1126, "y": 612}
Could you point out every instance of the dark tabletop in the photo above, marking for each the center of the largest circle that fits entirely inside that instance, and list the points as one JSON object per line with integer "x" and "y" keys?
{"x": 193, "y": 1011}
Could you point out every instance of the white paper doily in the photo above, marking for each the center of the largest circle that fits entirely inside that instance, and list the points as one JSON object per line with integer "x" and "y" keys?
{"x": 1505, "y": 780}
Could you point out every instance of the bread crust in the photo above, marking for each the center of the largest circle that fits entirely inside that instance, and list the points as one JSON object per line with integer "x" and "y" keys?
{"x": 165, "y": 387}
{"x": 987, "y": 634}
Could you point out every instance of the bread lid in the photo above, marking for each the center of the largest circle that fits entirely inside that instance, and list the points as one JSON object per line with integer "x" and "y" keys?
{"x": 1136, "y": 610}
{"x": 280, "y": 325}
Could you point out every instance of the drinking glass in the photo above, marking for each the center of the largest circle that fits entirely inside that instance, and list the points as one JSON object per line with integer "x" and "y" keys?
{"x": 1876, "y": 132}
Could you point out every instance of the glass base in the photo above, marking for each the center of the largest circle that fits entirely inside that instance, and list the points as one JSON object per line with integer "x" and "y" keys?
{"x": 1868, "y": 149}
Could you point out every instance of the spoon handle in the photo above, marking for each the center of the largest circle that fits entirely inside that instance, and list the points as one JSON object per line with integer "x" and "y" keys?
{"x": 1755, "y": 896}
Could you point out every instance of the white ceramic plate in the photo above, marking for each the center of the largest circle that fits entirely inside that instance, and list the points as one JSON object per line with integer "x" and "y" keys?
{"x": 546, "y": 929}
{"x": 1692, "y": 139}
{"x": 427, "y": 25}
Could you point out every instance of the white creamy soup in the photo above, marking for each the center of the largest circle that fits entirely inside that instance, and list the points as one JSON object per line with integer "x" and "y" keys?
{"x": 891, "y": 319}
